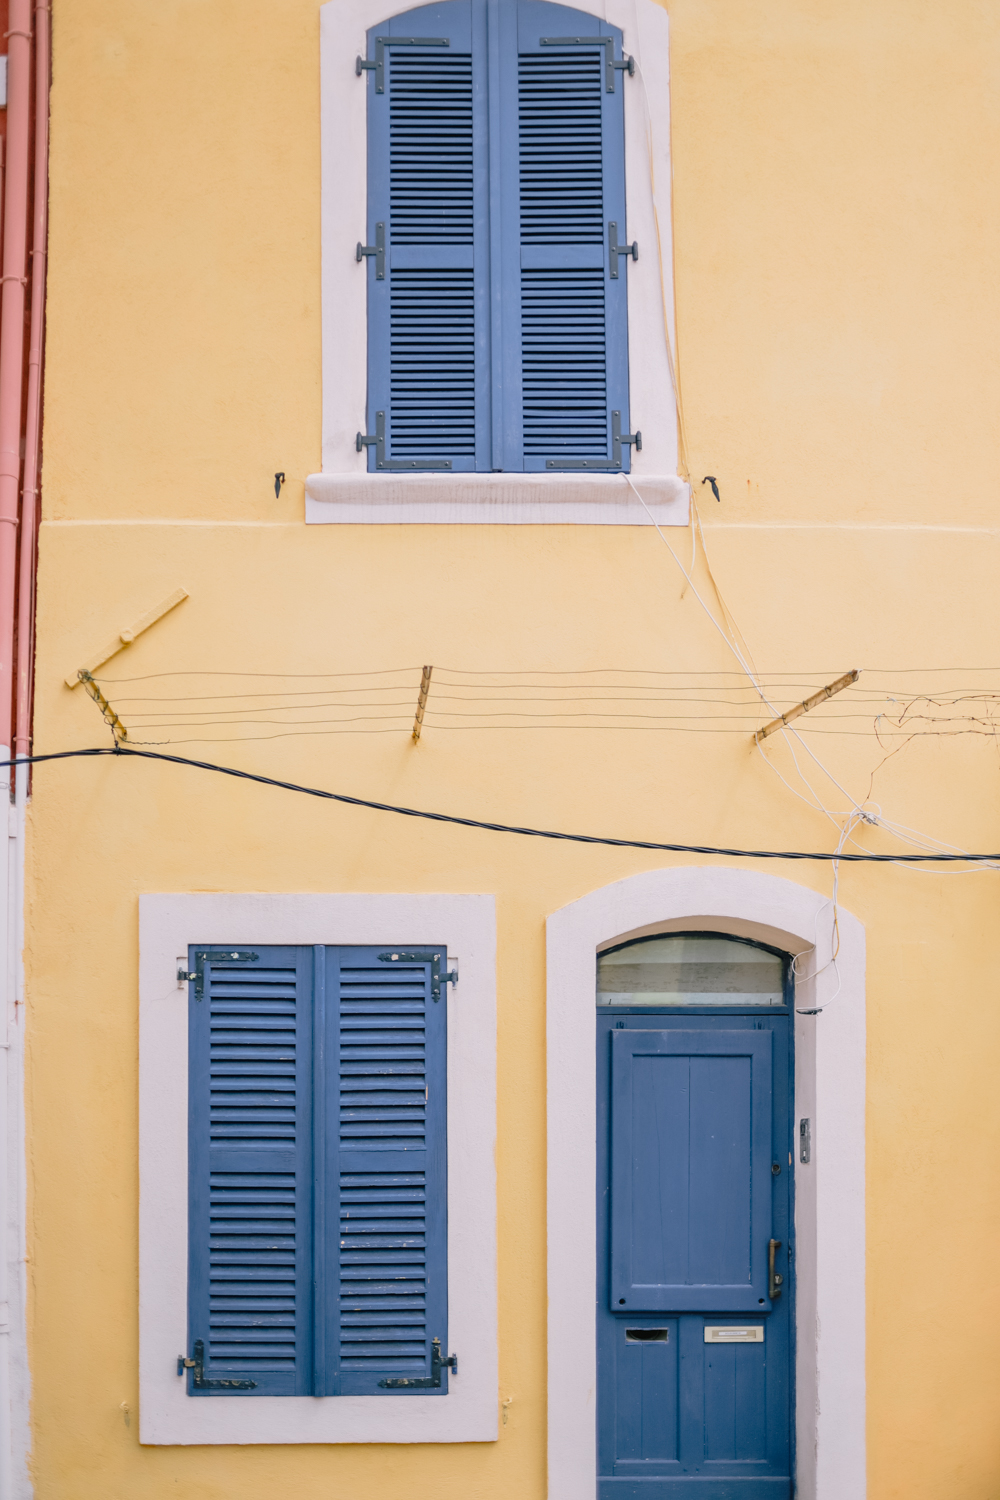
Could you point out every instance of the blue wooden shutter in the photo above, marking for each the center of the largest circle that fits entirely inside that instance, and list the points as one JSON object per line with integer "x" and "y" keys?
{"x": 250, "y": 1156}
{"x": 691, "y": 1116}
{"x": 386, "y": 1176}
{"x": 428, "y": 347}
{"x": 563, "y": 368}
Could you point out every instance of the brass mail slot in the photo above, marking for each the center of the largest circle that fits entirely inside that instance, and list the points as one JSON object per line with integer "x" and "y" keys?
{"x": 732, "y": 1334}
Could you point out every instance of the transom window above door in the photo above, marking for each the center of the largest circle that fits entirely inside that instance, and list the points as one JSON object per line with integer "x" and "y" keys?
{"x": 691, "y": 968}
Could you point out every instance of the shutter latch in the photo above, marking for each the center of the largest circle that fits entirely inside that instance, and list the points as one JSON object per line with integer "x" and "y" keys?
{"x": 614, "y": 250}
{"x": 378, "y": 250}
{"x": 614, "y": 463}
{"x": 381, "y": 42}
{"x": 423, "y": 1382}
{"x": 421, "y": 956}
{"x": 198, "y": 1380}
{"x": 216, "y": 956}
{"x": 627, "y": 64}
{"x": 635, "y": 438}
{"x": 376, "y": 440}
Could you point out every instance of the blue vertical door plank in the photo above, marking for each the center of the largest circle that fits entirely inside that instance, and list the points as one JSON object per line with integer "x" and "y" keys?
{"x": 387, "y": 1137}
{"x": 428, "y": 316}
{"x": 250, "y": 1174}
{"x": 725, "y": 1168}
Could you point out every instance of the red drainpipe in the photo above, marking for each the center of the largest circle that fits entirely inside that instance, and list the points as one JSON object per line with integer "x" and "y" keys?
{"x": 12, "y": 298}
{"x": 33, "y": 420}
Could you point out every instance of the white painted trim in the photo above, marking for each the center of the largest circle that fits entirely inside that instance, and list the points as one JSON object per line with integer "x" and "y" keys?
{"x": 167, "y": 924}
{"x": 494, "y": 499}
{"x": 652, "y": 407}
{"x": 830, "y": 1192}
{"x": 22, "y": 1485}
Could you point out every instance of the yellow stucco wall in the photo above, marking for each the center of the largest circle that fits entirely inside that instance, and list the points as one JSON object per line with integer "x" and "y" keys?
{"x": 837, "y": 240}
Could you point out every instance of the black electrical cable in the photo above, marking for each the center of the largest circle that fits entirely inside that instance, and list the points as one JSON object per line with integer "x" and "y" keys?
{"x": 534, "y": 833}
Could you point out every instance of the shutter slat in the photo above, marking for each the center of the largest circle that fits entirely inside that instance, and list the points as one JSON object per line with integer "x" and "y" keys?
{"x": 251, "y": 1188}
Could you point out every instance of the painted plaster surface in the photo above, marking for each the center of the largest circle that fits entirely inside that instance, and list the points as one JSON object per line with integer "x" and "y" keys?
{"x": 836, "y": 247}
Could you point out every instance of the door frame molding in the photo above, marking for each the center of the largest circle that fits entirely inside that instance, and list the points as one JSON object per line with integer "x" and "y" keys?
{"x": 829, "y": 1192}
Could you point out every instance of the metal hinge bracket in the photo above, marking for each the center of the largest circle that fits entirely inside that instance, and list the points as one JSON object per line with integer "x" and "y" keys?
{"x": 423, "y": 956}
{"x": 198, "y": 1379}
{"x": 212, "y": 955}
{"x": 614, "y": 250}
{"x": 376, "y": 440}
{"x": 378, "y": 250}
{"x": 424, "y": 1382}
{"x": 593, "y": 465}
{"x": 381, "y": 42}
{"x": 627, "y": 64}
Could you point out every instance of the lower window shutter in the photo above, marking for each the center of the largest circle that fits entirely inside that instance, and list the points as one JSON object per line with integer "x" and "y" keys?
{"x": 250, "y": 1171}
{"x": 386, "y": 1109}
{"x": 564, "y": 284}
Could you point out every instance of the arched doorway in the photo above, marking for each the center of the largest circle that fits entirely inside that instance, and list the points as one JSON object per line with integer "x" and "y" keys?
{"x": 695, "y": 1282}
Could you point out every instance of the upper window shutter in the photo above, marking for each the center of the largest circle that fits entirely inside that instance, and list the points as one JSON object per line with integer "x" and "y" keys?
{"x": 386, "y": 1107}
{"x": 250, "y": 1171}
{"x": 427, "y": 234}
{"x": 563, "y": 289}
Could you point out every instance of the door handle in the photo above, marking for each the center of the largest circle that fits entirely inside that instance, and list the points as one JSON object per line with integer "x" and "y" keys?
{"x": 774, "y": 1281}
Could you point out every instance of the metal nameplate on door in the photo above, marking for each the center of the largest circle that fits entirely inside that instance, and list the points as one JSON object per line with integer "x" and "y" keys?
{"x": 731, "y": 1334}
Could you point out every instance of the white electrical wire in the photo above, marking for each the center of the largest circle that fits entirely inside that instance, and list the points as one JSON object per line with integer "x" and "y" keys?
{"x": 856, "y": 813}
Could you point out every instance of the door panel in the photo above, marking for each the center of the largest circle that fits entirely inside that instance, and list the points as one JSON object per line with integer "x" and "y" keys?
{"x": 691, "y": 1170}
{"x": 694, "y": 1138}
{"x": 648, "y": 1411}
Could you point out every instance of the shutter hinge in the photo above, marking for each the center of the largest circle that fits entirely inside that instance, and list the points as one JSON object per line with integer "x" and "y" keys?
{"x": 378, "y": 250}
{"x": 212, "y": 955}
{"x": 376, "y": 440}
{"x": 423, "y": 956}
{"x": 433, "y": 1380}
{"x": 381, "y": 42}
{"x": 614, "y": 250}
{"x": 627, "y": 64}
{"x": 593, "y": 464}
{"x": 198, "y": 1380}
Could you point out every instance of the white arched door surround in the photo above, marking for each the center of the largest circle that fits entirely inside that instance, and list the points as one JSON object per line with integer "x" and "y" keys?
{"x": 829, "y": 1191}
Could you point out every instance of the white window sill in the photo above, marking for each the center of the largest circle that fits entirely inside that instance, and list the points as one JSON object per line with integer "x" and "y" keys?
{"x": 496, "y": 499}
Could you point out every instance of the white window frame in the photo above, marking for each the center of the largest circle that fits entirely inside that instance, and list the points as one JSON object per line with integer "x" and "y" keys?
{"x": 167, "y": 925}
{"x": 345, "y": 491}
{"x": 829, "y": 1192}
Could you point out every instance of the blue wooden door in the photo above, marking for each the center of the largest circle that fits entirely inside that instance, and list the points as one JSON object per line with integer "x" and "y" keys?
{"x": 694, "y": 1184}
